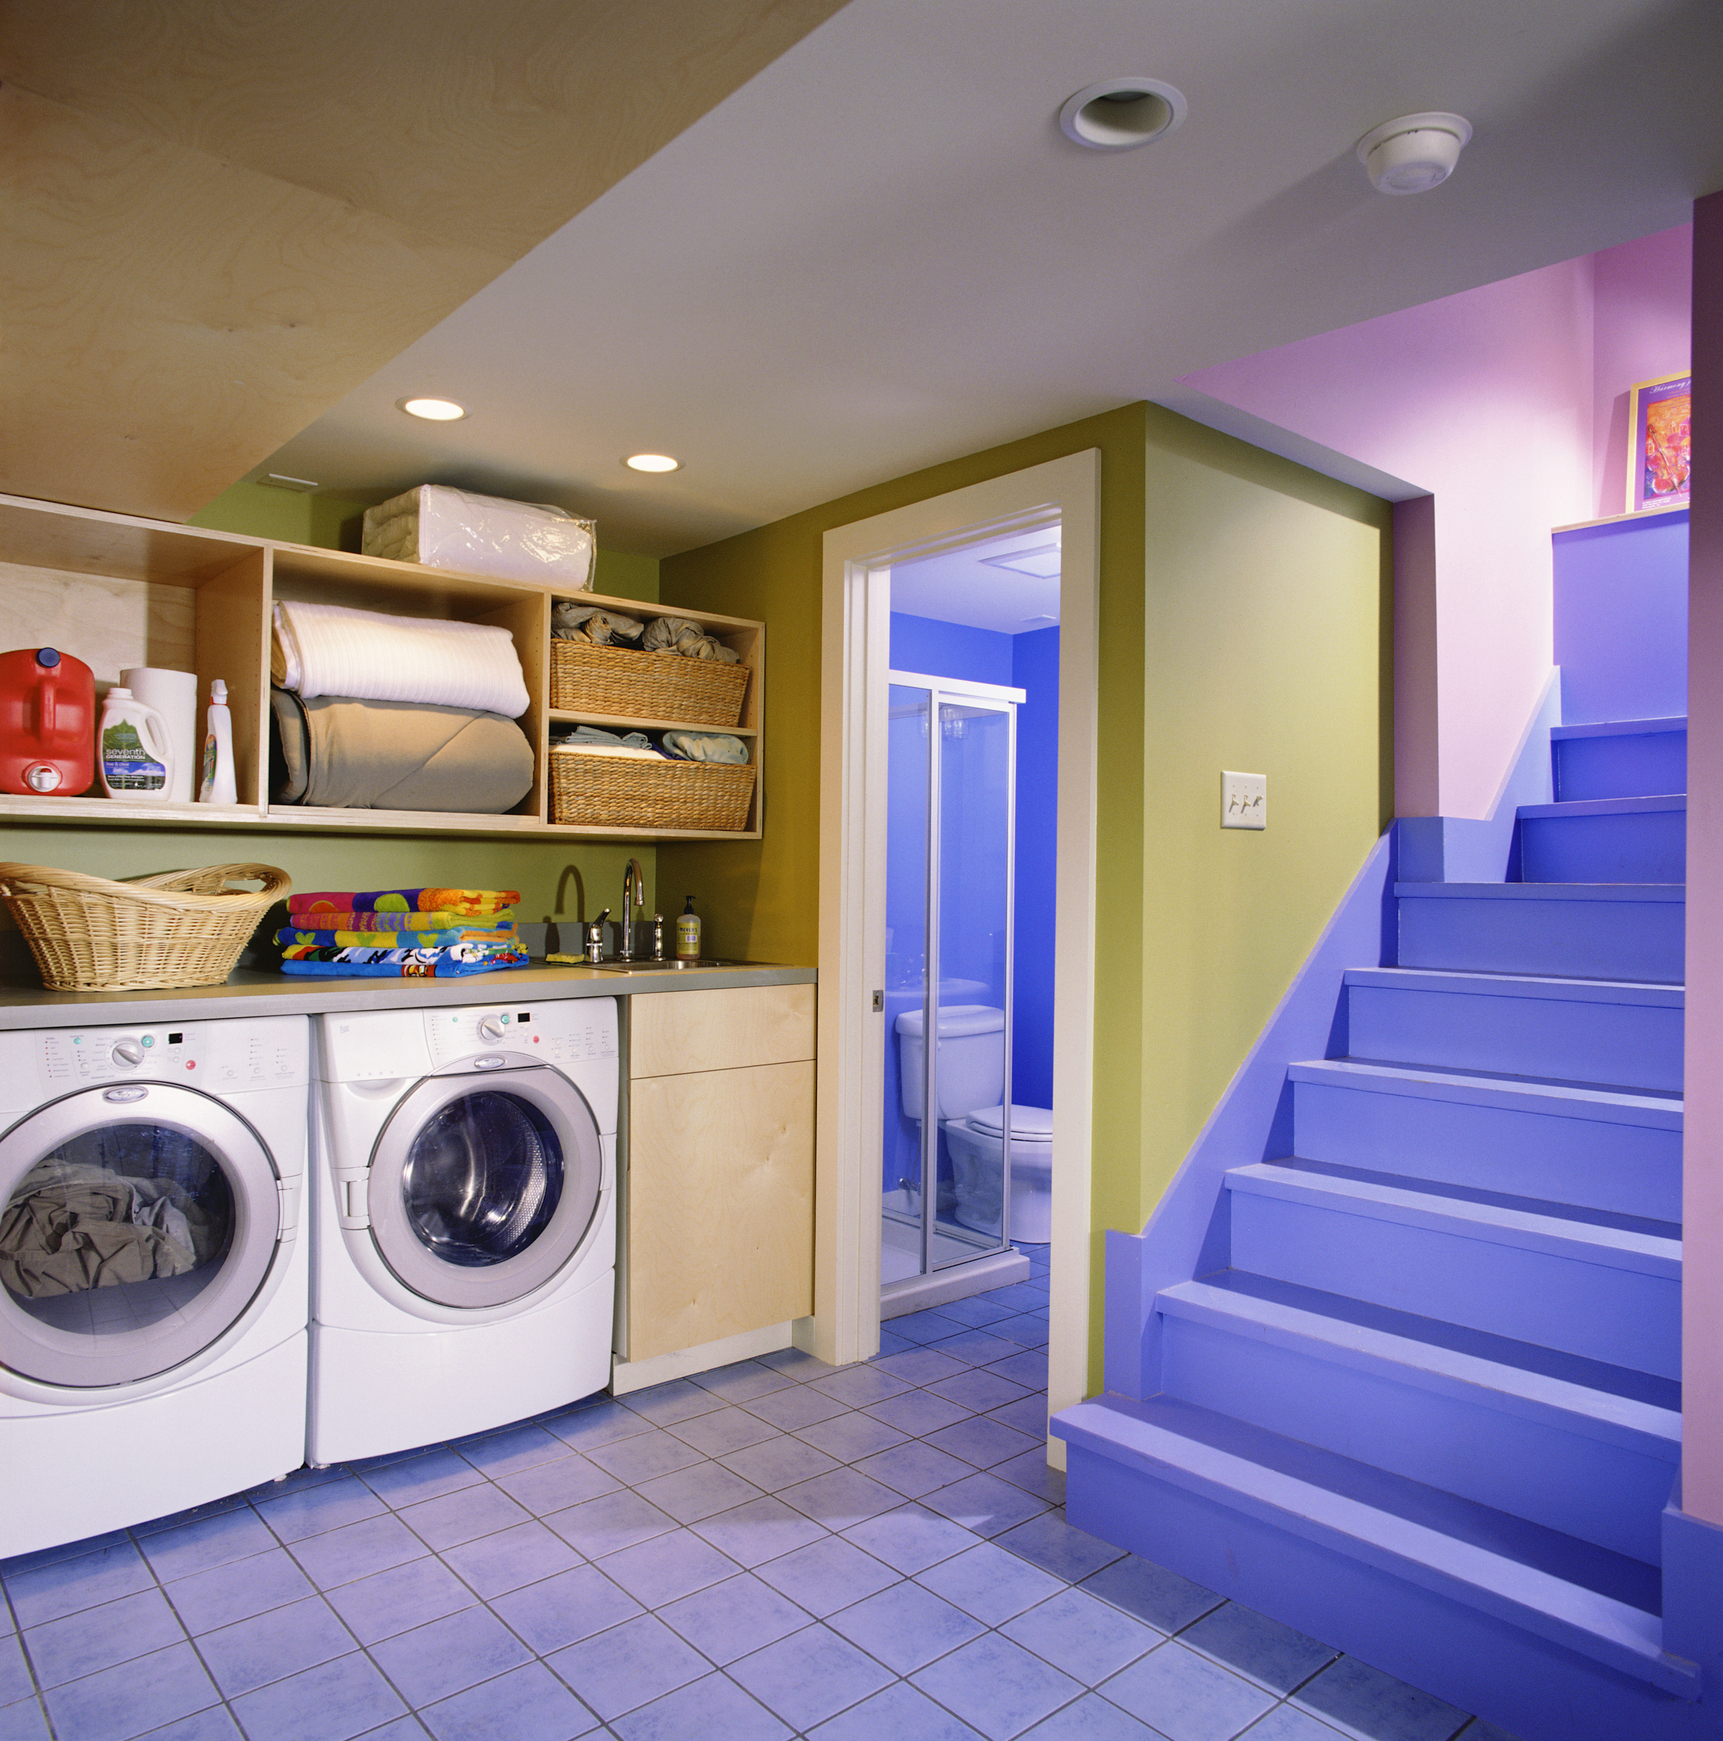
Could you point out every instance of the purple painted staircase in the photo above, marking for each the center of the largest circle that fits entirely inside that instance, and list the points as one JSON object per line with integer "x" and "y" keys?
{"x": 1421, "y": 1399}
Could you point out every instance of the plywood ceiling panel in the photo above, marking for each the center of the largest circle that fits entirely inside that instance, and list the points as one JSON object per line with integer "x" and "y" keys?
{"x": 220, "y": 218}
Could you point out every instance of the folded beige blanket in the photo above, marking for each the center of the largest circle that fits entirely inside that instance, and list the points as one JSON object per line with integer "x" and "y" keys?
{"x": 391, "y": 755}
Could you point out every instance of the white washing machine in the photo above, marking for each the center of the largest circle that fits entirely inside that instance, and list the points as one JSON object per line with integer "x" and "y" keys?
{"x": 153, "y": 1283}
{"x": 464, "y": 1233}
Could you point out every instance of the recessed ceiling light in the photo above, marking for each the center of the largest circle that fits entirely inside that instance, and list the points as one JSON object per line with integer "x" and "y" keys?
{"x": 1120, "y": 114}
{"x": 652, "y": 462}
{"x": 433, "y": 410}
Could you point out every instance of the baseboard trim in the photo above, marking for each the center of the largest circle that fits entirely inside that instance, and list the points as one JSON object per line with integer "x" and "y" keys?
{"x": 898, "y": 1299}
{"x": 632, "y": 1375}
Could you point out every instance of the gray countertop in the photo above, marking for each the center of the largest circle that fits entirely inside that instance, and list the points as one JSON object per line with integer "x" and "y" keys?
{"x": 251, "y": 991}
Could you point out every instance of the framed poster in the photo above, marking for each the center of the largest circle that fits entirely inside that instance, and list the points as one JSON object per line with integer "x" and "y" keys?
{"x": 1659, "y": 443}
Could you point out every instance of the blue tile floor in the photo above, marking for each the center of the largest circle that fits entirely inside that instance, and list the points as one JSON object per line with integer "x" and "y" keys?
{"x": 872, "y": 1554}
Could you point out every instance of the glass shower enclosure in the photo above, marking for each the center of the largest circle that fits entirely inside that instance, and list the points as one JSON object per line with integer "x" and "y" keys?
{"x": 950, "y": 833}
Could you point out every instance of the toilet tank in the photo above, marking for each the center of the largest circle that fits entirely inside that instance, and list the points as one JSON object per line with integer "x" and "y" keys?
{"x": 971, "y": 1062}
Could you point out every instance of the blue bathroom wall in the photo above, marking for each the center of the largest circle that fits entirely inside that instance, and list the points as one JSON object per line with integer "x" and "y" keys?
{"x": 1035, "y": 669}
{"x": 1621, "y": 619}
{"x": 1029, "y": 662}
{"x": 949, "y": 650}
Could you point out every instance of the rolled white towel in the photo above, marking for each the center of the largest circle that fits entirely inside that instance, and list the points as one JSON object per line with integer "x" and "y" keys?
{"x": 334, "y": 650}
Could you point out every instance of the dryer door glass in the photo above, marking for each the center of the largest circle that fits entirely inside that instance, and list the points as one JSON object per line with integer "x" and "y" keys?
{"x": 135, "y": 1231}
{"x": 483, "y": 1178}
{"x": 483, "y": 1188}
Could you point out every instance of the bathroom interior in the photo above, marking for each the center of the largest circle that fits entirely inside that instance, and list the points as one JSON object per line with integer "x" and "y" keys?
{"x": 971, "y": 798}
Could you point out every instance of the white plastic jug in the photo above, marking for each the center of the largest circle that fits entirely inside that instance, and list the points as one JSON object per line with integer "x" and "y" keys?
{"x": 134, "y": 749}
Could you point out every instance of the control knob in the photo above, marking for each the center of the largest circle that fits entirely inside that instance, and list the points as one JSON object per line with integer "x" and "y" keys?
{"x": 128, "y": 1054}
{"x": 492, "y": 1028}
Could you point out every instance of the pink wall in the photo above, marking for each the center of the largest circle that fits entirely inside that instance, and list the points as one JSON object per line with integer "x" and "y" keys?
{"x": 1642, "y": 327}
{"x": 1702, "y": 1276}
{"x": 1485, "y": 401}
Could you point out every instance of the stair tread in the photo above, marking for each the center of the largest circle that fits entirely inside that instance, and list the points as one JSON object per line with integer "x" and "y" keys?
{"x": 1546, "y": 1095}
{"x": 1654, "y": 892}
{"x": 1651, "y": 804}
{"x": 1559, "y": 1235}
{"x": 1620, "y": 728}
{"x": 1528, "y": 985}
{"x": 1585, "y": 1597}
{"x": 1662, "y": 1394}
{"x": 1496, "y": 1382}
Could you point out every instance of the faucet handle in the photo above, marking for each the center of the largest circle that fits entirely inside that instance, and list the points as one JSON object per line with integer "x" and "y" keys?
{"x": 595, "y": 936}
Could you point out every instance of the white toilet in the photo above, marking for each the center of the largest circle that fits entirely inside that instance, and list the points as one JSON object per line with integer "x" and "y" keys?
{"x": 971, "y": 1092}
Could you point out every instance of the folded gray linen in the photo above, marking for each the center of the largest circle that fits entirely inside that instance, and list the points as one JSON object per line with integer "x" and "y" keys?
{"x": 395, "y": 755}
{"x": 679, "y": 635}
{"x": 705, "y": 746}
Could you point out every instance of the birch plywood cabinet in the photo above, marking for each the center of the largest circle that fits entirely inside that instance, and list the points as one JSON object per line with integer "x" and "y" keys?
{"x": 719, "y": 1207}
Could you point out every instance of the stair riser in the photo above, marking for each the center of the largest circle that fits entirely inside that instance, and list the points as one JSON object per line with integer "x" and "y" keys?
{"x": 1626, "y": 1169}
{"x": 1622, "y": 1316}
{"x": 1640, "y": 766}
{"x": 1621, "y": 1045}
{"x": 1534, "y": 1689}
{"x": 1633, "y": 940}
{"x": 1584, "y": 1486}
{"x": 1647, "y": 847}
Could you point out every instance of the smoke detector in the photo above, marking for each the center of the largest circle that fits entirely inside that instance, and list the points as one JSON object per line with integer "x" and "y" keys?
{"x": 1415, "y": 152}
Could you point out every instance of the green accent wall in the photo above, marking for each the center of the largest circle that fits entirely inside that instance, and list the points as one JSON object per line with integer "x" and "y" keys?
{"x": 292, "y": 516}
{"x": 1244, "y": 623}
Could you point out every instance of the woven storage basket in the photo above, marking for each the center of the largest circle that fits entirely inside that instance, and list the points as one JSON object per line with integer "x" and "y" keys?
{"x": 178, "y": 928}
{"x": 622, "y": 681}
{"x": 622, "y": 792}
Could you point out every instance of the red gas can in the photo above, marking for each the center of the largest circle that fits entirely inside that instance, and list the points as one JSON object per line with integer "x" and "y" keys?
{"x": 47, "y": 722}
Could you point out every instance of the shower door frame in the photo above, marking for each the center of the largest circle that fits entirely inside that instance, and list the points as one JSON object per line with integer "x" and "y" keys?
{"x": 993, "y": 698}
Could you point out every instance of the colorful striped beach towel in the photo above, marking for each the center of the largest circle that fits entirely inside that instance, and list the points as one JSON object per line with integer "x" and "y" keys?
{"x": 468, "y": 903}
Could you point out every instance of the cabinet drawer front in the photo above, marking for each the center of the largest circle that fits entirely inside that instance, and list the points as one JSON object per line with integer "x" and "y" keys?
{"x": 677, "y": 1033}
{"x": 720, "y": 1204}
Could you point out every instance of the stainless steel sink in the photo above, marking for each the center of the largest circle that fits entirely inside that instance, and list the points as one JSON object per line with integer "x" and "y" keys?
{"x": 664, "y": 966}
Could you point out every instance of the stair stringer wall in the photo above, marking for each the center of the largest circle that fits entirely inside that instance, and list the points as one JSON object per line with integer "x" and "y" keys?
{"x": 1187, "y": 1235}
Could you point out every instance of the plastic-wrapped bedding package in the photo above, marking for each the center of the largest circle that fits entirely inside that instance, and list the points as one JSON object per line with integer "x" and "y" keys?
{"x": 447, "y": 528}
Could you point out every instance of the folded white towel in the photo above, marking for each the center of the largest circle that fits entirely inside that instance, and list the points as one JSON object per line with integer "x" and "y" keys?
{"x": 604, "y": 750}
{"x": 333, "y": 650}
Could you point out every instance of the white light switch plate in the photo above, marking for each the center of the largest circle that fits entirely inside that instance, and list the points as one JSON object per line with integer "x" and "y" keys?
{"x": 1243, "y": 800}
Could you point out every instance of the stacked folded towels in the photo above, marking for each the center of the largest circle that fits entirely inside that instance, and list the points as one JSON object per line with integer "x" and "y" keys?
{"x": 401, "y": 933}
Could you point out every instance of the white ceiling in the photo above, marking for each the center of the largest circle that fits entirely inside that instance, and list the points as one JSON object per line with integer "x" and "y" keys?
{"x": 973, "y": 586}
{"x": 880, "y": 252}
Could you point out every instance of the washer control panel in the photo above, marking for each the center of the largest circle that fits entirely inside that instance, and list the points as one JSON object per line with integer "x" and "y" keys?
{"x": 564, "y": 1033}
{"x": 271, "y": 1052}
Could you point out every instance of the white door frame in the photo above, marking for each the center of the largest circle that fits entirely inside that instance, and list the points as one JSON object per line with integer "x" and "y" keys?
{"x": 855, "y": 659}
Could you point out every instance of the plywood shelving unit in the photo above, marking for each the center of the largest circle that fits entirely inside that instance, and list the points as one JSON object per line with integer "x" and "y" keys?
{"x": 118, "y": 591}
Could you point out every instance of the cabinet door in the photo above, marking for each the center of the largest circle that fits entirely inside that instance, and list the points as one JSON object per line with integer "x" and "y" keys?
{"x": 720, "y": 1204}
{"x": 683, "y": 1031}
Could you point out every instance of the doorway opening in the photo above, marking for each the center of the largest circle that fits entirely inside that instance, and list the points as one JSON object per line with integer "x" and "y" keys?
{"x": 870, "y": 567}
{"x": 971, "y": 821}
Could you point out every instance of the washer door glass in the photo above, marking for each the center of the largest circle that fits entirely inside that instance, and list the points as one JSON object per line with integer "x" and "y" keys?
{"x": 483, "y": 1187}
{"x": 139, "y": 1223}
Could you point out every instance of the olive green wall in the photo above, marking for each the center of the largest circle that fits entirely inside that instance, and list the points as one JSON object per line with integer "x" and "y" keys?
{"x": 1243, "y": 624}
{"x": 1268, "y": 642}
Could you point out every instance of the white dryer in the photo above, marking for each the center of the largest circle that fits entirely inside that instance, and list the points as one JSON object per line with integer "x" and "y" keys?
{"x": 464, "y": 1249}
{"x": 153, "y": 1285}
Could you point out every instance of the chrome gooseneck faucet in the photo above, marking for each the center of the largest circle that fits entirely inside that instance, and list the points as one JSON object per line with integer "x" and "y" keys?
{"x": 633, "y": 901}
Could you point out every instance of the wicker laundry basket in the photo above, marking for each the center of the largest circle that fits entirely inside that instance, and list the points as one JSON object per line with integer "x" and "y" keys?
{"x": 622, "y": 792}
{"x": 624, "y": 682}
{"x": 175, "y": 929}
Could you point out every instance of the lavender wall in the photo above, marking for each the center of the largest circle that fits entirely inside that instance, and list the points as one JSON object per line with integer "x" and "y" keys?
{"x": 1642, "y": 294}
{"x": 1484, "y": 401}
